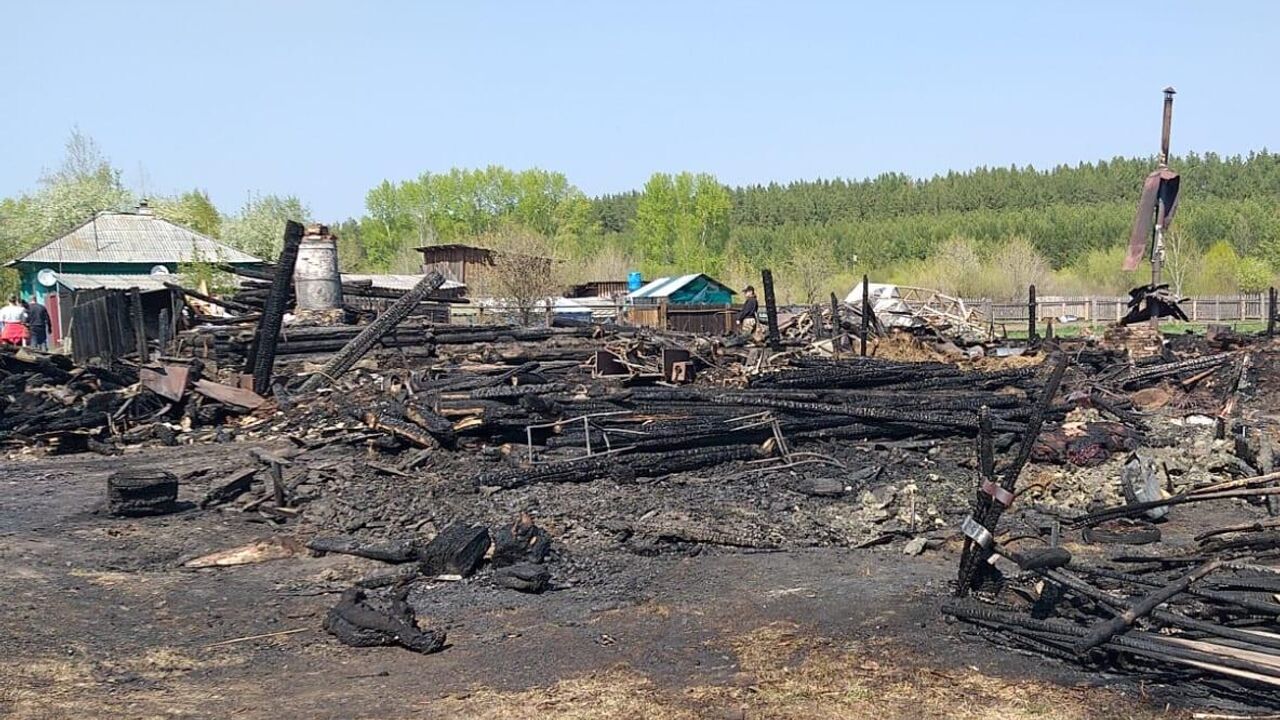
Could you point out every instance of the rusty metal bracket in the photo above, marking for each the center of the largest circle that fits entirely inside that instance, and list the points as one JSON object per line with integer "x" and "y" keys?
{"x": 997, "y": 493}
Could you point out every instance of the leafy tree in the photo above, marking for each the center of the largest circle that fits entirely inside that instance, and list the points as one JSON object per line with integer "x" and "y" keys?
{"x": 84, "y": 184}
{"x": 258, "y": 229}
{"x": 1218, "y": 271}
{"x": 1182, "y": 258}
{"x": 1253, "y": 275}
{"x": 191, "y": 209}
{"x": 682, "y": 223}
{"x": 462, "y": 203}
{"x": 1015, "y": 266}
{"x": 810, "y": 266}
{"x": 524, "y": 270}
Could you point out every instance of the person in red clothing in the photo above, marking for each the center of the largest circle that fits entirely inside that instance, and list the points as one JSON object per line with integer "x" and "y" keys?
{"x": 15, "y": 323}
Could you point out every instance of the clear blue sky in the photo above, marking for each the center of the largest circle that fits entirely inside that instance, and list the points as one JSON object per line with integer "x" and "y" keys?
{"x": 326, "y": 99}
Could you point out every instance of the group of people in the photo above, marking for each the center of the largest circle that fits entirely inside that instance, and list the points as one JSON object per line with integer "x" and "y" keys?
{"x": 25, "y": 323}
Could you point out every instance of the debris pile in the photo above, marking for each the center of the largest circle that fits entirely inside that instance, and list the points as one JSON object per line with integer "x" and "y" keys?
{"x": 1197, "y": 612}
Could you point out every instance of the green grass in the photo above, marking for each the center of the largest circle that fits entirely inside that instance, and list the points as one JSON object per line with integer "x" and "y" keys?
{"x": 1168, "y": 328}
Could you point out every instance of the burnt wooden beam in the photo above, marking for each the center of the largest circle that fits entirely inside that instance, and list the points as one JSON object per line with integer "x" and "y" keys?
{"x": 866, "y": 316}
{"x": 225, "y": 304}
{"x": 1031, "y": 313}
{"x": 771, "y": 309}
{"x": 264, "y": 352}
{"x": 340, "y": 363}
{"x": 139, "y": 325}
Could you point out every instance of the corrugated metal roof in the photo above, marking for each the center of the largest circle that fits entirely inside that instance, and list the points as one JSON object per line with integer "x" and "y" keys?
{"x": 85, "y": 281}
{"x": 116, "y": 237}
{"x": 664, "y": 286}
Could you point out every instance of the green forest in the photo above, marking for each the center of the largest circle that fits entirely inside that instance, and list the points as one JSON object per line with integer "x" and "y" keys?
{"x": 986, "y": 232}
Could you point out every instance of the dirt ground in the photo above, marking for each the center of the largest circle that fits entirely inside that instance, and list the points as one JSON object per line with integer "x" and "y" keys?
{"x": 100, "y": 620}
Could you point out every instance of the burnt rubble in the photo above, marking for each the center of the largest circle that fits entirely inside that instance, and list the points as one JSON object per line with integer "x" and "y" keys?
{"x": 512, "y": 459}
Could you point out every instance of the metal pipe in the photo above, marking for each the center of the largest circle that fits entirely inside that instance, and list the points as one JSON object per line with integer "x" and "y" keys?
{"x": 1167, "y": 125}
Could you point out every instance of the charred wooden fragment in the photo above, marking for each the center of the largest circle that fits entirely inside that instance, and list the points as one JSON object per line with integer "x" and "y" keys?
{"x": 389, "y": 551}
{"x": 521, "y": 541}
{"x": 400, "y": 429}
{"x": 229, "y": 488}
{"x": 456, "y": 550}
{"x": 358, "y": 622}
{"x": 523, "y": 577}
{"x": 435, "y": 425}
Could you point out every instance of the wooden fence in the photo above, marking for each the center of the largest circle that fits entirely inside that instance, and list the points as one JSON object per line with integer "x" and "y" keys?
{"x": 701, "y": 319}
{"x": 1104, "y": 309}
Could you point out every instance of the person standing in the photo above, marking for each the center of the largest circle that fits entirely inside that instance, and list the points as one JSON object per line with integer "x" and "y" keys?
{"x": 14, "y": 319}
{"x": 746, "y": 318}
{"x": 38, "y": 323}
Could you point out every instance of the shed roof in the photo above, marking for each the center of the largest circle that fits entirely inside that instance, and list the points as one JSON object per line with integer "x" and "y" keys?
{"x": 123, "y": 237}
{"x": 666, "y": 286}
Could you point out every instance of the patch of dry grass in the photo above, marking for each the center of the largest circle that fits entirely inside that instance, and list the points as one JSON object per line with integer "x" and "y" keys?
{"x": 77, "y": 687}
{"x": 789, "y": 675}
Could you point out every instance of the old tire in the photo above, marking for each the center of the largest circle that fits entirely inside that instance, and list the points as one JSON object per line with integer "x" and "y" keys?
{"x": 1122, "y": 532}
{"x": 133, "y": 493}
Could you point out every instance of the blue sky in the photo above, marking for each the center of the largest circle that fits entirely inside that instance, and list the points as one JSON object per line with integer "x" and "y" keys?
{"x": 326, "y": 99}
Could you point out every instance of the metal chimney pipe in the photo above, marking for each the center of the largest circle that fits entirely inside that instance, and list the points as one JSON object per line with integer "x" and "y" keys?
{"x": 1166, "y": 126}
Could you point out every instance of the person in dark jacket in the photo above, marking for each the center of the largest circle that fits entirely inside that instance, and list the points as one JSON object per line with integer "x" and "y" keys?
{"x": 38, "y": 323}
{"x": 746, "y": 318}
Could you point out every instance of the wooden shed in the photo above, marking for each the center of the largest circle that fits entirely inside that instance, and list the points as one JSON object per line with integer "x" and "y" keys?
{"x": 453, "y": 261}
{"x": 689, "y": 303}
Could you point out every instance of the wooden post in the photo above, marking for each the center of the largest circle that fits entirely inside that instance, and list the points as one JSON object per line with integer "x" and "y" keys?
{"x": 138, "y": 320}
{"x": 771, "y": 309}
{"x": 835, "y": 317}
{"x": 268, "y": 331}
{"x": 1031, "y": 313}
{"x": 1271, "y": 312}
{"x": 866, "y": 315}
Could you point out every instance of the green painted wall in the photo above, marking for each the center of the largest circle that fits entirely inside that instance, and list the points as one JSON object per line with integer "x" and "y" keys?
{"x": 32, "y": 288}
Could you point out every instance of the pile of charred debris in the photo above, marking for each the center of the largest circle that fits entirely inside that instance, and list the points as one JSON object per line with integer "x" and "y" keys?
{"x": 522, "y": 459}
{"x": 1168, "y": 574}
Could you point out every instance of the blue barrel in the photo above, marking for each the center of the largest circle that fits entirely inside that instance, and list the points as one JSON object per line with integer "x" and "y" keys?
{"x": 634, "y": 281}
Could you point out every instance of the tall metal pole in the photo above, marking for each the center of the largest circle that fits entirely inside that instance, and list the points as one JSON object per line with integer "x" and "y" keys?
{"x": 1157, "y": 231}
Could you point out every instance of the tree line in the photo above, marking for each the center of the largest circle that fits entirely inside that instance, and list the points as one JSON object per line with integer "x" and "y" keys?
{"x": 983, "y": 232}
